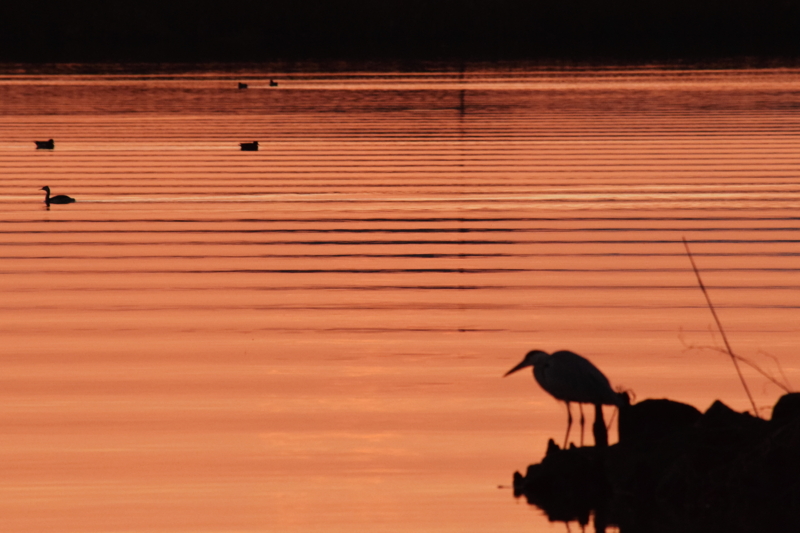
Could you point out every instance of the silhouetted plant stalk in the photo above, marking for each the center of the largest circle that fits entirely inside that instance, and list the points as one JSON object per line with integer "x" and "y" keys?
{"x": 734, "y": 358}
{"x": 772, "y": 379}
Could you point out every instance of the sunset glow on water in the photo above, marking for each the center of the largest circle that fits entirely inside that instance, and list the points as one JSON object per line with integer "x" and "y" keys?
{"x": 312, "y": 337}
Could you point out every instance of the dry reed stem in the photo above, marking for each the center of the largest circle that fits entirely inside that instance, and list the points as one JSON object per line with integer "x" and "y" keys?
{"x": 734, "y": 358}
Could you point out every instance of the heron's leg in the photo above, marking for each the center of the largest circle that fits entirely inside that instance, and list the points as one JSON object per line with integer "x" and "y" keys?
{"x": 569, "y": 425}
{"x": 580, "y": 407}
{"x": 599, "y": 428}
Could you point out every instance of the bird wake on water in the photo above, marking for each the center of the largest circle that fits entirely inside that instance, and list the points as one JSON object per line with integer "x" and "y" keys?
{"x": 571, "y": 378}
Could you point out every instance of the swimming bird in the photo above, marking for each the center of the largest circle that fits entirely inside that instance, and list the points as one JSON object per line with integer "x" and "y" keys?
{"x": 45, "y": 145}
{"x": 273, "y": 83}
{"x": 242, "y": 85}
{"x": 571, "y": 378}
{"x": 249, "y": 147}
{"x": 59, "y": 199}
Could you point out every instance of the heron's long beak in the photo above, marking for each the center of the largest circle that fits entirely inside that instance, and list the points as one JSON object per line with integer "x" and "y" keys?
{"x": 520, "y": 366}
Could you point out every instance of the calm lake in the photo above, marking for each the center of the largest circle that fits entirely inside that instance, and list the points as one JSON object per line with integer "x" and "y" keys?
{"x": 312, "y": 337}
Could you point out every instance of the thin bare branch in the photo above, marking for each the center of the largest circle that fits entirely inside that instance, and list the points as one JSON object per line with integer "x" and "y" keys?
{"x": 787, "y": 386}
{"x": 721, "y": 329}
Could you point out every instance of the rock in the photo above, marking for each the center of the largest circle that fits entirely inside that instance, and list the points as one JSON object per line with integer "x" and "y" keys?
{"x": 787, "y": 409}
{"x": 720, "y": 416}
{"x": 654, "y": 419}
{"x": 675, "y": 469}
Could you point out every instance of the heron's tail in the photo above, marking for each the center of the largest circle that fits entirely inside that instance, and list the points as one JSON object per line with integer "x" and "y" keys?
{"x": 623, "y": 399}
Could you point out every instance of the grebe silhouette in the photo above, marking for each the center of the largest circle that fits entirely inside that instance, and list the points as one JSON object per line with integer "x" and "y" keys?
{"x": 59, "y": 199}
{"x": 273, "y": 83}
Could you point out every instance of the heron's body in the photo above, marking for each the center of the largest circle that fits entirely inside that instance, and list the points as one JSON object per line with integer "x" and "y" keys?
{"x": 570, "y": 378}
{"x": 58, "y": 199}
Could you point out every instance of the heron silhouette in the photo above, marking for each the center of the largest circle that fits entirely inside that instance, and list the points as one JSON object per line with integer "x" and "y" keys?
{"x": 58, "y": 199}
{"x": 571, "y": 378}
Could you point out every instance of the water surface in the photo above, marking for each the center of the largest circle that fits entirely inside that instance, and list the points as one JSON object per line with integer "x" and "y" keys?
{"x": 311, "y": 337}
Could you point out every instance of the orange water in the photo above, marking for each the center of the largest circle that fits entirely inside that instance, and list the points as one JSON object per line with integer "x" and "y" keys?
{"x": 311, "y": 337}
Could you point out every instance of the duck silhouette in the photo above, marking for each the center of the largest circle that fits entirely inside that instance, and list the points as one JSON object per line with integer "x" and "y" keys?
{"x": 249, "y": 147}
{"x": 242, "y": 85}
{"x": 58, "y": 199}
{"x": 273, "y": 83}
{"x": 45, "y": 145}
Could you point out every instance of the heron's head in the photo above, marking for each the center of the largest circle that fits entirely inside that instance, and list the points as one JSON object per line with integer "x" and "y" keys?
{"x": 46, "y": 188}
{"x": 532, "y": 358}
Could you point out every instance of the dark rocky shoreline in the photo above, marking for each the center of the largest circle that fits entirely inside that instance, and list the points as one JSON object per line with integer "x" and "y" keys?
{"x": 676, "y": 469}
